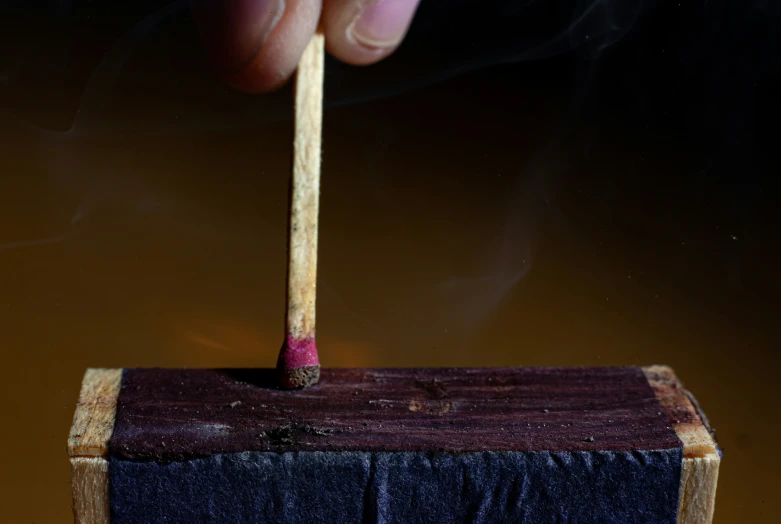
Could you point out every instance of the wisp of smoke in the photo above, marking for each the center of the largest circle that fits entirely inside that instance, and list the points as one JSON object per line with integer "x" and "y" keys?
{"x": 447, "y": 39}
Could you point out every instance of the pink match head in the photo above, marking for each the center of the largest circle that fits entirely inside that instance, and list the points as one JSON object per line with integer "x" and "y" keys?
{"x": 298, "y": 365}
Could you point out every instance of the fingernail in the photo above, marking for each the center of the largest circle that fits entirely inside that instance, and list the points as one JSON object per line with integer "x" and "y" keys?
{"x": 383, "y": 23}
{"x": 234, "y": 30}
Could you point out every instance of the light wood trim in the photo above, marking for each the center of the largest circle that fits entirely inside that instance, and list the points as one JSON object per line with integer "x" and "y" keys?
{"x": 93, "y": 422}
{"x": 697, "y": 495}
{"x": 89, "y": 477}
{"x": 701, "y": 458}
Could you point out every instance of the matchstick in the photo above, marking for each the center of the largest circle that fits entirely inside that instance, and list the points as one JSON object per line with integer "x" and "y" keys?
{"x": 298, "y": 365}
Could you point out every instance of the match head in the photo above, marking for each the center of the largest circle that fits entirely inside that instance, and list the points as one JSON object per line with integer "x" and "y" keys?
{"x": 298, "y": 365}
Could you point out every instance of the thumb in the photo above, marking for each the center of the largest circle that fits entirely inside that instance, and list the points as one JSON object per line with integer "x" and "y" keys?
{"x": 362, "y": 32}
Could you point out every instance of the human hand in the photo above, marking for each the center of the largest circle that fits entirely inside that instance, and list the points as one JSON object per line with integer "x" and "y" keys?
{"x": 255, "y": 44}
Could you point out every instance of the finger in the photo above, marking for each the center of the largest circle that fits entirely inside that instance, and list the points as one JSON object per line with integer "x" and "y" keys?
{"x": 362, "y": 32}
{"x": 255, "y": 44}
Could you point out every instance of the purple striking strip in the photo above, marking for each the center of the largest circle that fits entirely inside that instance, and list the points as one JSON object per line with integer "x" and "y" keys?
{"x": 176, "y": 414}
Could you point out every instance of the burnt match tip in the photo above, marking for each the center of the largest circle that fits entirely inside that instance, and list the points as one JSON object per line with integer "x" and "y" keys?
{"x": 298, "y": 365}
{"x": 298, "y": 377}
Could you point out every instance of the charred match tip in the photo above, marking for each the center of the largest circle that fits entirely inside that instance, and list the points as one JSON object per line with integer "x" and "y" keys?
{"x": 299, "y": 377}
{"x": 298, "y": 365}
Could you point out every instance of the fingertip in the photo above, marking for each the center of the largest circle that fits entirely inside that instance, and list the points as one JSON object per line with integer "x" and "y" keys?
{"x": 254, "y": 60}
{"x": 363, "y": 32}
{"x": 265, "y": 73}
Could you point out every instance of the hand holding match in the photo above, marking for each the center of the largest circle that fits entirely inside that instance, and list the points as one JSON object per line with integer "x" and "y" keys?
{"x": 298, "y": 364}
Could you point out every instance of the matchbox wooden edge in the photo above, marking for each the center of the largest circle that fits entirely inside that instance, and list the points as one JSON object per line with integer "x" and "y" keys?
{"x": 90, "y": 432}
{"x": 96, "y": 409}
{"x": 701, "y": 458}
{"x": 93, "y": 425}
{"x": 684, "y": 418}
{"x": 89, "y": 481}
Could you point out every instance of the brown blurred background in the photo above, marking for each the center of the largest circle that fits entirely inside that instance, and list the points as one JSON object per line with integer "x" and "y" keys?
{"x": 517, "y": 201}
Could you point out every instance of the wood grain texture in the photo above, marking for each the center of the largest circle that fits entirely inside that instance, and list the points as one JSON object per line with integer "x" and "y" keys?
{"x": 697, "y": 496}
{"x": 93, "y": 421}
{"x": 89, "y": 478}
{"x": 169, "y": 414}
{"x": 304, "y": 209}
{"x": 700, "y": 467}
{"x": 88, "y": 442}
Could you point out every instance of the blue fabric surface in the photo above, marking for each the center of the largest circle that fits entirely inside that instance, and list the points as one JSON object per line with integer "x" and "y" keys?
{"x": 389, "y": 487}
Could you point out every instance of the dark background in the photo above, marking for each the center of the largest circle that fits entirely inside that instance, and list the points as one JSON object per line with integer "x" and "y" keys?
{"x": 522, "y": 183}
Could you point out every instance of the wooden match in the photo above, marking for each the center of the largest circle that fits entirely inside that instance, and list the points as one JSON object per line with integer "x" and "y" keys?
{"x": 298, "y": 365}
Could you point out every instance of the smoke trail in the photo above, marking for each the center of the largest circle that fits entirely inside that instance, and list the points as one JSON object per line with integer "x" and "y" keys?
{"x": 471, "y": 300}
{"x": 726, "y": 40}
{"x": 60, "y": 150}
{"x": 91, "y": 116}
{"x": 447, "y": 39}
{"x": 81, "y": 213}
